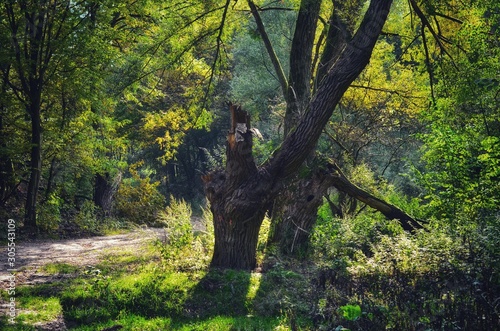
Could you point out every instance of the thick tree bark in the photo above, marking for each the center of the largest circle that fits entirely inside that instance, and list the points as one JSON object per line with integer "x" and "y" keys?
{"x": 299, "y": 83}
{"x": 340, "y": 32}
{"x": 298, "y": 215}
{"x": 238, "y": 198}
{"x": 345, "y": 70}
{"x": 297, "y": 96}
{"x": 293, "y": 208}
{"x": 240, "y": 195}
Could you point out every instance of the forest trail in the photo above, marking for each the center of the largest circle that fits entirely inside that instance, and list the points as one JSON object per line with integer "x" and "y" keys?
{"x": 81, "y": 252}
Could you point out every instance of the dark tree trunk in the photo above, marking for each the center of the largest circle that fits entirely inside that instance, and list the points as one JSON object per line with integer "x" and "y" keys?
{"x": 104, "y": 190}
{"x": 31, "y": 45}
{"x": 284, "y": 225}
{"x": 236, "y": 236}
{"x": 299, "y": 82}
{"x": 237, "y": 198}
{"x": 35, "y": 169}
{"x": 298, "y": 215}
{"x": 241, "y": 194}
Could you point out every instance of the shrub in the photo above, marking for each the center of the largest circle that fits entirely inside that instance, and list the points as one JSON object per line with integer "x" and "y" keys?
{"x": 429, "y": 280}
{"x": 49, "y": 214}
{"x": 138, "y": 199}
{"x": 182, "y": 249}
{"x": 87, "y": 219}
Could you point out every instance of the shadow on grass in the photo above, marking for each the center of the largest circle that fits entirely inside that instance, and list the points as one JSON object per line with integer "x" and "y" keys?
{"x": 219, "y": 292}
{"x": 152, "y": 299}
{"x": 200, "y": 300}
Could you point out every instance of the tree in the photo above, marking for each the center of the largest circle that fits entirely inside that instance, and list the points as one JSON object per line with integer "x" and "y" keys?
{"x": 36, "y": 33}
{"x": 85, "y": 75}
{"x": 241, "y": 194}
{"x": 460, "y": 151}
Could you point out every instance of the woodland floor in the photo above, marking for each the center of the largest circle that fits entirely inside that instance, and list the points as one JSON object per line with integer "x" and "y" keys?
{"x": 32, "y": 256}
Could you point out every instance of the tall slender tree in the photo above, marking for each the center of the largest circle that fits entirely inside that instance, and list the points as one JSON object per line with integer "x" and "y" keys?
{"x": 36, "y": 33}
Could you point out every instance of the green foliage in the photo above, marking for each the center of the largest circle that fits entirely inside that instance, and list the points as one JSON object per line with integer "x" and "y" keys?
{"x": 400, "y": 281}
{"x": 351, "y": 312}
{"x": 138, "y": 199}
{"x": 49, "y": 214}
{"x": 87, "y": 218}
{"x": 460, "y": 150}
{"x": 252, "y": 83}
{"x": 181, "y": 249}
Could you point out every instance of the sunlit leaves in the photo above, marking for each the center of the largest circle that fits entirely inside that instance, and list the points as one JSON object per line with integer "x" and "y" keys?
{"x": 461, "y": 147}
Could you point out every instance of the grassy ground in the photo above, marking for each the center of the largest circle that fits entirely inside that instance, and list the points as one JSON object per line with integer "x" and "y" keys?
{"x": 131, "y": 291}
{"x": 359, "y": 276}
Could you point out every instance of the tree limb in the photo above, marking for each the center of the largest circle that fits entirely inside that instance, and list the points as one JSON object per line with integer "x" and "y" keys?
{"x": 427, "y": 24}
{"x": 269, "y": 47}
{"x": 346, "y": 69}
{"x": 340, "y": 182}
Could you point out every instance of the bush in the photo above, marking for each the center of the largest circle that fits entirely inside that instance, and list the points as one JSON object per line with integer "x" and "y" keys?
{"x": 182, "y": 249}
{"x": 138, "y": 199}
{"x": 430, "y": 280}
{"x": 87, "y": 219}
{"x": 49, "y": 214}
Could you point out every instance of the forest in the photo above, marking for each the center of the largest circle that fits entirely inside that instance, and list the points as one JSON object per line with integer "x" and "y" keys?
{"x": 313, "y": 164}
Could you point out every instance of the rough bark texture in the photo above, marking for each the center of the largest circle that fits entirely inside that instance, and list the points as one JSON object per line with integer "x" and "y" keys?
{"x": 350, "y": 64}
{"x": 240, "y": 195}
{"x": 238, "y": 198}
{"x": 298, "y": 215}
{"x": 340, "y": 32}
{"x": 299, "y": 83}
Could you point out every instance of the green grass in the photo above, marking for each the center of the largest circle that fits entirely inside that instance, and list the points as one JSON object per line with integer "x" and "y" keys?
{"x": 150, "y": 299}
{"x": 150, "y": 288}
{"x": 38, "y": 309}
{"x": 134, "y": 290}
{"x": 59, "y": 268}
{"x": 216, "y": 323}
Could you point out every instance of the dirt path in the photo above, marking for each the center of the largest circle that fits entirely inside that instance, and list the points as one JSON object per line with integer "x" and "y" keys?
{"x": 30, "y": 256}
{"x": 83, "y": 252}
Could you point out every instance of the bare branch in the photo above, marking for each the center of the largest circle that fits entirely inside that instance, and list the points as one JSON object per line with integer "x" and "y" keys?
{"x": 425, "y": 22}
{"x": 269, "y": 47}
{"x": 217, "y": 51}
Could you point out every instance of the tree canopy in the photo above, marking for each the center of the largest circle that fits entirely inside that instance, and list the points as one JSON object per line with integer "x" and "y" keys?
{"x": 352, "y": 128}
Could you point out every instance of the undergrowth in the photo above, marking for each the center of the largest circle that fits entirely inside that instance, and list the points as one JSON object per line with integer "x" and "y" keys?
{"x": 363, "y": 273}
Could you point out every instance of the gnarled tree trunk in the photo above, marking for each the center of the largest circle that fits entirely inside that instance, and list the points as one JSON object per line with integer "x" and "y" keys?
{"x": 298, "y": 214}
{"x": 240, "y": 195}
{"x": 237, "y": 198}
